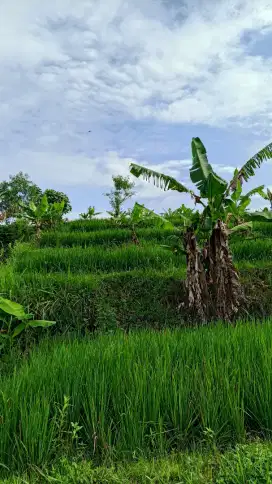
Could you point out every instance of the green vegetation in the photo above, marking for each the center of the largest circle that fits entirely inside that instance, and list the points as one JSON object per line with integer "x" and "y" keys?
{"x": 122, "y": 191}
{"x": 107, "y": 237}
{"x": 144, "y": 394}
{"x": 93, "y": 260}
{"x": 132, "y": 385}
{"x": 245, "y": 464}
{"x": 214, "y": 290}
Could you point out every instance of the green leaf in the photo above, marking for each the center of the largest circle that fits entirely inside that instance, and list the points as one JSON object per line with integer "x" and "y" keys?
{"x": 215, "y": 186}
{"x": 162, "y": 181}
{"x": 237, "y": 192}
{"x": 18, "y": 329}
{"x": 261, "y": 216}
{"x": 43, "y": 207}
{"x": 243, "y": 226}
{"x": 12, "y": 308}
{"x": 252, "y": 192}
{"x": 248, "y": 169}
{"x": 41, "y": 323}
{"x": 202, "y": 174}
{"x": 4, "y": 335}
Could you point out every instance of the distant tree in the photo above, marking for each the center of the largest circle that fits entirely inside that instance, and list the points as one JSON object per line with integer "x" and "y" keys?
{"x": 54, "y": 196}
{"x": 90, "y": 214}
{"x": 19, "y": 189}
{"x": 122, "y": 191}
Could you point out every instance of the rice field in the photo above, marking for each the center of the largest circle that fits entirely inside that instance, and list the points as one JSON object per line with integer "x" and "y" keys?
{"x": 144, "y": 394}
{"x": 109, "y": 237}
{"x": 128, "y": 395}
{"x": 95, "y": 260}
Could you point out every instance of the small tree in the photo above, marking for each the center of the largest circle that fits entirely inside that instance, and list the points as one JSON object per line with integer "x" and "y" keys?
{"x": 90, "y": 214}
{"x": 137, "y": 216}
{"x": 213, "y": 285}
{"x": 123, "y": 191}
{"x": 42, "y": 215}
{"x": 54, "y": 196}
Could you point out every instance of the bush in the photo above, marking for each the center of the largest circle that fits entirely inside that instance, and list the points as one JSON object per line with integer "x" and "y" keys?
{"x": 14, "y": 232}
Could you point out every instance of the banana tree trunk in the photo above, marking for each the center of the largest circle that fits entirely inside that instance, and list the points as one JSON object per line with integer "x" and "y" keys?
{"x": 196, "y": 283}
{"x": 225, "y": 288}
{"x": 134, "y": 237}
{"x": 38, "y": 231}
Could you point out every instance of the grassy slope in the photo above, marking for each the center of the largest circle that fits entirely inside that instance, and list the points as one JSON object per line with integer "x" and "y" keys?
{"x": 127, "y": 286}
{"x": 250, "y": 463}
{"x": 129, "y": 298}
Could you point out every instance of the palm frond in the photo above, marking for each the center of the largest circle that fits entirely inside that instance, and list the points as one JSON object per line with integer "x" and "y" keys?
{"x": 248, "y": 169}
{"x": 165, "y": 182}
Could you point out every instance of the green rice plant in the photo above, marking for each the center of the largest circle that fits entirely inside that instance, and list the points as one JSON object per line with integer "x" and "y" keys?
{"x": 107, "y": 237}
{"x": 139, "y": 298}
{"x": 93, "y": 259}
{"x": 139, "y": 395}
{"x": 250, "y": 250}
{"x": 88, "y": 225}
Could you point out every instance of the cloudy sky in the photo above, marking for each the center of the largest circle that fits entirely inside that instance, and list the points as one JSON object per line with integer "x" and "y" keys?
{"x": 144, "y": 76}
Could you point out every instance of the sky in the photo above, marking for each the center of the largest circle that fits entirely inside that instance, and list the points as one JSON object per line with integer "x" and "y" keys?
{"x": 144, "y": 77}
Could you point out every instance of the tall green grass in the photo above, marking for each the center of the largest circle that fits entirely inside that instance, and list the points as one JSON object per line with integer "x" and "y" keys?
{"x": 135, "y": 299}
{"x": 139, "y": 395}
{"x": 252, "y": 250}
{"x": 101, "y": 237}
{"x": 94, "y": 260}
{"x": 124, "y": 258}
{"x": 262, "y": 228}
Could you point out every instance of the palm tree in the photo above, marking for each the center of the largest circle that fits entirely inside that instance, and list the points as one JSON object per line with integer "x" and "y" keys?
{"x": 212, "y": 282}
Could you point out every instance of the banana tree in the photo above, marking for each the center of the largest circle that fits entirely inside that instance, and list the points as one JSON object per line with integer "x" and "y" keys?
{"x": 213, "y": 285}
{"x": 90, "y": 214}
{"x": 43, "y": 215}
{"x": 268, "y": 196}
{"x": 140, "y": 214}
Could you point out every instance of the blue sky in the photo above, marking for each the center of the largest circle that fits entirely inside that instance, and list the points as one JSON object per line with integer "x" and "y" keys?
{"x": 144, "y": 77}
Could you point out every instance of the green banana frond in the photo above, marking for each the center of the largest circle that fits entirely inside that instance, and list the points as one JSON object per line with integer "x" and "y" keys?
{"x": 241, "y": 227}
{"x": 140, "y": 213}
{"x": 261, "y": 216}
{"x": 201, "y": 173}
{"x": 258, "y": 190}
{"x": 165, "y": 182}
{"x": 248, "y": 169}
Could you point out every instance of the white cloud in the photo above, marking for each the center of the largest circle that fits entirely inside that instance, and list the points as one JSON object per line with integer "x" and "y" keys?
{"x": 100, "y": 56}
{"x": 106, "y": 64}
